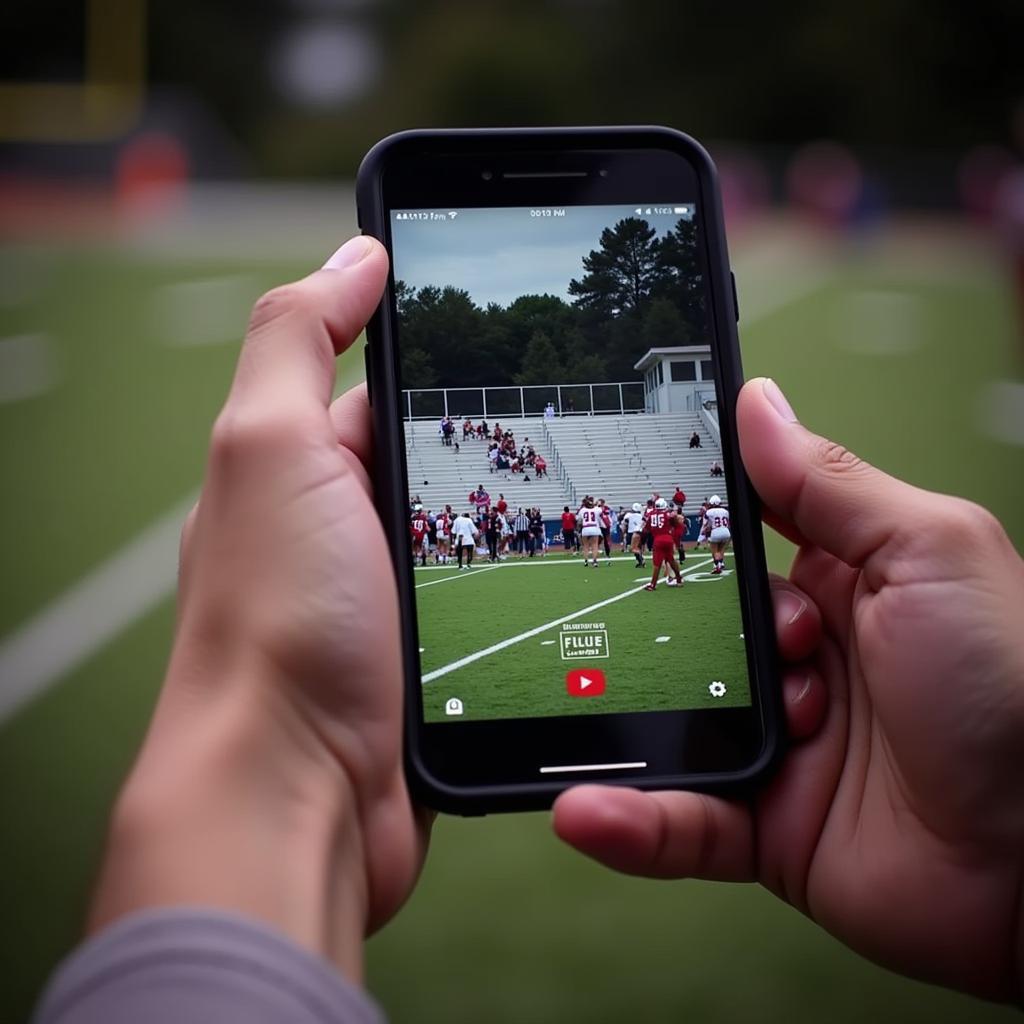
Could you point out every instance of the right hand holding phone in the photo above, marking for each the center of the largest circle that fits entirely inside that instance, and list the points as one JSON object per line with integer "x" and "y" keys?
{"x": 899, "y": 824}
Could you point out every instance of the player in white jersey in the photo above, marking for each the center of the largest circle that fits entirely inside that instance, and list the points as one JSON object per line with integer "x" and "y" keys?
{"x": 634, "y": 526}
{"x": 589, "y": 521}
{"x": 716, "y": 526}
{"x": 444, "y": 533}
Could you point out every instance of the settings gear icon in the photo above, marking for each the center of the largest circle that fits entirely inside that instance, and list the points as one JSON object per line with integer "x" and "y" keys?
{"x": 717, "y": 688}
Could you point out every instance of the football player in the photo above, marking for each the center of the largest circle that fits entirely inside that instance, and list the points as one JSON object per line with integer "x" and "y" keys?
{"x": 588, "y": 519}
{"x": 716, "y": 526}
{"x": 661, "y": 521}
{"x": 418, "y": 527}
{"x": 444, "y": 532}
{"x": 634, "y": 520}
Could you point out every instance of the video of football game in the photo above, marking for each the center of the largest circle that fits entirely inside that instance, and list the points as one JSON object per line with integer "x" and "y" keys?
{"x": 567, "y": 502}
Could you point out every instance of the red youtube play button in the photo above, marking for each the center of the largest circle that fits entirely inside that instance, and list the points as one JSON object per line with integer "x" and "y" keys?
{"x": 584, "y": 682}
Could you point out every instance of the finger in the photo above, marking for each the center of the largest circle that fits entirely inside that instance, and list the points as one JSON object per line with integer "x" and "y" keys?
{"x": 831, "y": 583}
{"x": 797, "y": 620}
{"x": 296, "y": 331}
{"x": 350, "y": 414}
{"x": 826, "y": 493}
{"x": 659, "y": 835}
{"x": 805, "y": 698}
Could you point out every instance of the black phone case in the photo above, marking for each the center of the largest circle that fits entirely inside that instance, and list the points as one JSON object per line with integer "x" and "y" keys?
{"x": 389, "y": 466}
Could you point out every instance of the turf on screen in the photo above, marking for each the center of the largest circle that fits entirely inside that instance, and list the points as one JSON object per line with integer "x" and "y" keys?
{"x": 567, "y": 507}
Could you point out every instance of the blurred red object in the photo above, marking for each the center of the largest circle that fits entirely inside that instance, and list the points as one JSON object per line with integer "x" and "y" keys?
{"x": 151, "y": 175}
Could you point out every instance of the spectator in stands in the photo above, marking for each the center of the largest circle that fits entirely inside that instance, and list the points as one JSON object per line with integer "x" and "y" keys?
{"x": 481, "y": 499}
{"x": 467, "y": 428}
{"x": 497, "y": 432}
{"x": 716, "y": 468}
{"x": 679, "y": 498}
{"x": 501, "y": 460}
{"x": 549, "y": 411}
{"x": 492, "y": 457}
{"x": 501, "y": 505}
{"x": 695, "y": 440}
{"x": 540, "y": 466}
{"x": 481, "y": 429}
{"x": 522, "y": 530}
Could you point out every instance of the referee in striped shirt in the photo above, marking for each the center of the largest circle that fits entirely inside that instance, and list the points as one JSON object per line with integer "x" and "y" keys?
{"x": 522, "y": 527}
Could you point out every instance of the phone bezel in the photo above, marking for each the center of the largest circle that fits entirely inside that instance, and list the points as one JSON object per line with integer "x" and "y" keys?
{"x": 472, "y": 767}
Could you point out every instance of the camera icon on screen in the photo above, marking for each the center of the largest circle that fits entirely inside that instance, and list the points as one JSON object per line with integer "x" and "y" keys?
{"x": 453, "y": 706}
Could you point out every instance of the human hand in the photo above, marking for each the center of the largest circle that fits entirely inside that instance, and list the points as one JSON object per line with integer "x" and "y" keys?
{"x": 271, "y": 779}
{"x": 899, "y": 824}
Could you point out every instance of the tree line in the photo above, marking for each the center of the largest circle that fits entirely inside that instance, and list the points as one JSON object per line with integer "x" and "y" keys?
{"x": 636, "y": 291}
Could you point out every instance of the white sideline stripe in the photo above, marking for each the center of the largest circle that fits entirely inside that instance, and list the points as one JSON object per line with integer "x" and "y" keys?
{"x": 501, "y": 645}
{"x": 28, "y": 367}
{"x": 91, "y": 612}
{"x": 574, "y": 560}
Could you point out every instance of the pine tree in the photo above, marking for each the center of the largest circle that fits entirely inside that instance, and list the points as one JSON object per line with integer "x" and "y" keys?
{"x": 620, "y": 275}
{"x": 540, "y": 363}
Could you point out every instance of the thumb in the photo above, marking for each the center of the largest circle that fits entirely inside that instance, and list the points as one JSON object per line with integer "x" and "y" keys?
{"x": 829, "y": 496}
{"x": 297, "y": 330}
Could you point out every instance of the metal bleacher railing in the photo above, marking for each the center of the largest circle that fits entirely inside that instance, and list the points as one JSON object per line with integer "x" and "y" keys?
{"x": 614, "y": 398}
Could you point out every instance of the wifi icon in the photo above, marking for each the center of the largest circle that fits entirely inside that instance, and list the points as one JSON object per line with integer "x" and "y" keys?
{"x": 452, "y": 214}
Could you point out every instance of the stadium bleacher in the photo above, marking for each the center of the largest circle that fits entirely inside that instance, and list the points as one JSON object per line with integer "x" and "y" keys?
{"x": 441, "y": 476}
{"x": 619, "y": 458}
{"x": 626, "y": 458}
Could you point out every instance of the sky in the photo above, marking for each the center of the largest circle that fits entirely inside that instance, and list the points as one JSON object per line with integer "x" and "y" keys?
{"x": 499, "y": 254}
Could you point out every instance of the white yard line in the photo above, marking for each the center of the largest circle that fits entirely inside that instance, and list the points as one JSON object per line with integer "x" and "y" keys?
{"x": 91, "y": 612}
{"x": 494, "y": 648}
{"x": 457, "y": 575}
{"x": 28, "y": 367}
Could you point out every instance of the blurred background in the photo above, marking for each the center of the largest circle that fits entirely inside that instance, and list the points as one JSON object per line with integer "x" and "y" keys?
{"x": 163, "y": 163}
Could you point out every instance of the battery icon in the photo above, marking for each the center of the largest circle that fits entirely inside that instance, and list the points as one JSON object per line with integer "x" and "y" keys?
{"x": 682, "y": 209}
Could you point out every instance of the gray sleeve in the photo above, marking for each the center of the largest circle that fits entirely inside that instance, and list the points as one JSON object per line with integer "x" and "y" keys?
{"x": 198, "y": 966}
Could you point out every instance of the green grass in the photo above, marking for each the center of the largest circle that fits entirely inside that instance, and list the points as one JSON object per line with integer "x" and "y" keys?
{"x": 506, "y": 924}
{"x": 527, "y": 678}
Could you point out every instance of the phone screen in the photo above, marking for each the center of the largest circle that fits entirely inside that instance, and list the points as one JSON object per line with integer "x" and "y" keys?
{"x": 568, "y": 516}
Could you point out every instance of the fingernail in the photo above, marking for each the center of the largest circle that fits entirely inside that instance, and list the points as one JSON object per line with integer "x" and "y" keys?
{"x": 354, "y": 250}
{"x": 804, "y": 690}
{"x": 778, "y": 400}
{"x": 791, "y": 604}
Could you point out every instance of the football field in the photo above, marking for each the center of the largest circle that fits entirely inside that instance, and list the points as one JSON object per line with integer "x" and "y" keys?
{"x": 905, "y": 346}
{"x": 502, "y": 637}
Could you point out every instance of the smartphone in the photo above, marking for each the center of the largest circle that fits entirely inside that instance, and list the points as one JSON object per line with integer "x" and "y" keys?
{"x": 553, "y": 374}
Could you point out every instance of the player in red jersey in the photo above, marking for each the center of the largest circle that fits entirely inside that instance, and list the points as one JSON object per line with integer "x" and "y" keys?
{"x": 418, "y": 527}
{"x": 679, "y": 533}
{"x": 661, "y": 521}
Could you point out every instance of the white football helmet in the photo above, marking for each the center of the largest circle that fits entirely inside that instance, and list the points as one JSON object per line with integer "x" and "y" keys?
{"x": 714, "y": 500}
{"x": 661, "y": 503}
{"x": 417, "y": 508}
{"x": 636, "y": 506}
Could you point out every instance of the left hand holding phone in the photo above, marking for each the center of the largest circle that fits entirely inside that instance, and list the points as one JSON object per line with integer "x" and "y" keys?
{"x": 270, "y": 782}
